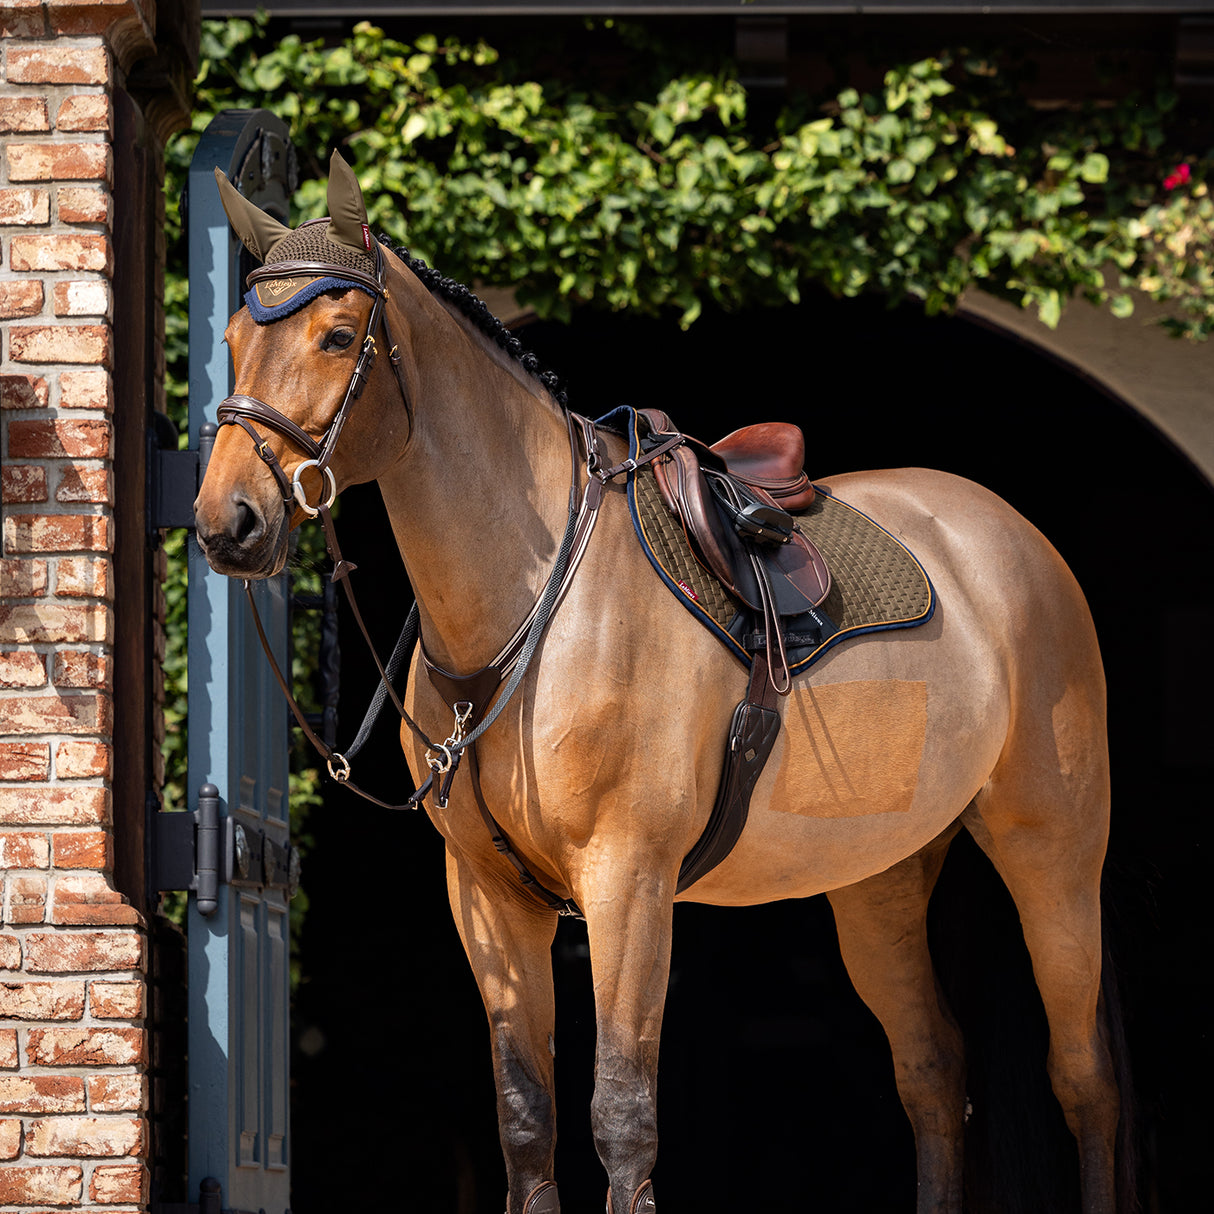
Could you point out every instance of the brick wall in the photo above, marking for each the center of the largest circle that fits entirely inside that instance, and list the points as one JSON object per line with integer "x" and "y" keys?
{"x": 73, "y": 950}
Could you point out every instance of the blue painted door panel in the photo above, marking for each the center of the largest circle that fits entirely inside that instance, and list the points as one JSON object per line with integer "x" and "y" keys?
{"x": 239, "y": 970}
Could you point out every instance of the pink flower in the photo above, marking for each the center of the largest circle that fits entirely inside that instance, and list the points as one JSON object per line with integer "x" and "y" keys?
{"x": 1178, "y": 176}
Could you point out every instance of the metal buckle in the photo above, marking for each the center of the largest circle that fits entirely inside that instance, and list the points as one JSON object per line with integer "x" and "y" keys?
{"x": 342, "y": 774}
{"x": 302, "y": 498}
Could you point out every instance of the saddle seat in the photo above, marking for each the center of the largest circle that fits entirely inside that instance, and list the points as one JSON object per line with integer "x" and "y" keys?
{"x": 759, "y": 469}
{"x": 769, "y": 456}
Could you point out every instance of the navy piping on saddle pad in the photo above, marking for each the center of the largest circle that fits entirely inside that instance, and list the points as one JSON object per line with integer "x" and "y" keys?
{"x": 624, "y": 421}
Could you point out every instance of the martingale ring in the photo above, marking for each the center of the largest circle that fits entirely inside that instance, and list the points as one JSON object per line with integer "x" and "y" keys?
{"x": 302, "y": 498}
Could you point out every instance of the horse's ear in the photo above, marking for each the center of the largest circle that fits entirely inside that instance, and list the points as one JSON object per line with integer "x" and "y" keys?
{"x": 258, "y": 232}
{"x": 347, "y": 211}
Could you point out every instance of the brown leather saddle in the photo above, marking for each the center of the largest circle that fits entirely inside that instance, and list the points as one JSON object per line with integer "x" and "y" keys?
{"x": 735, "y": 501}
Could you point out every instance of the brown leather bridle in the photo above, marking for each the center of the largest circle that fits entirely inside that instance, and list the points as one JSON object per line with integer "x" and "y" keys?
{"x": 241, "y": 410}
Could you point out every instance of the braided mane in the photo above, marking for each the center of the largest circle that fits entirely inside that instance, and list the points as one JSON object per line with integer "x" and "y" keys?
{"x": 472, "y": 307}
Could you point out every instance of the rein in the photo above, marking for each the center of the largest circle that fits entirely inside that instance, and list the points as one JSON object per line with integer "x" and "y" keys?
{"x": 470, "y": 695}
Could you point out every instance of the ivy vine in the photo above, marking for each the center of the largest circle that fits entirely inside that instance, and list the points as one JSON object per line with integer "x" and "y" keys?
{"x": 941, "y": 179}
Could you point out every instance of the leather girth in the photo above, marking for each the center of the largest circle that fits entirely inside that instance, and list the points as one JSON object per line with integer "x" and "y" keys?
{"x": 752, "y": 734}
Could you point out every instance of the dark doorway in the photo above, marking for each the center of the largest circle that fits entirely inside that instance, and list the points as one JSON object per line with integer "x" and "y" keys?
{"x": 776, "y": 1086}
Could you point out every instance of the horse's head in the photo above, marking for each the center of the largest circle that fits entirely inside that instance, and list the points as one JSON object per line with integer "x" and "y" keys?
{"x": 302, "y": 347}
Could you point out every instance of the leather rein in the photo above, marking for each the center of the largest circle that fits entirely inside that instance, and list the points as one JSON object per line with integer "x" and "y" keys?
{"x": 470, "y": 696}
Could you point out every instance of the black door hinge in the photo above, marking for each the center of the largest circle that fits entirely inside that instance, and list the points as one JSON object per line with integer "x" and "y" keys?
{"x": 199, "y": 851}
{"x": 173, "y": 476}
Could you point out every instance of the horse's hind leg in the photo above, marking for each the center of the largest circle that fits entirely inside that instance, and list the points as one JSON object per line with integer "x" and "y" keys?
{"x": 1044, "y": 825}
{"x": 882, "y": 925}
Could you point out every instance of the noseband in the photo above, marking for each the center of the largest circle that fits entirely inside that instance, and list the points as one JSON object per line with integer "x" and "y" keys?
{"x": 240, "y": 410}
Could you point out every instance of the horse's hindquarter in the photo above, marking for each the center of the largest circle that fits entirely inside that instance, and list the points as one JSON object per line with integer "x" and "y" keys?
{"x": 887, "y": 738}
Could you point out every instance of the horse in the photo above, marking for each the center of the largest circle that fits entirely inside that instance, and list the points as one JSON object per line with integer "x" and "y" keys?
{"x": 595, "y": 774}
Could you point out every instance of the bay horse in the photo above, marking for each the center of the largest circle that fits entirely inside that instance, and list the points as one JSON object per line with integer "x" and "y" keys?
{"x": 602, "y": 760}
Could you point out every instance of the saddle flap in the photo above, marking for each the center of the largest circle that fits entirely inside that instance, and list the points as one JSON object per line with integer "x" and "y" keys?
{"x": 797, "y": 572}
{"x": 688, "y": 498}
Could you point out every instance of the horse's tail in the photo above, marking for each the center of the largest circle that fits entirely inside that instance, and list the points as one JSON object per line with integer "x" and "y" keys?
{"x": 1020, "y": 1158}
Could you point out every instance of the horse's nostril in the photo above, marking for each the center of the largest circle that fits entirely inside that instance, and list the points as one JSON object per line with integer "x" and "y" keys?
{"x": 246, "y": 522}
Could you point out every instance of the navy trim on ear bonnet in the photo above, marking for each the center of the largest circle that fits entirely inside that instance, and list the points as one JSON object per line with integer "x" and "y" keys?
{"x": 271, "y": 299}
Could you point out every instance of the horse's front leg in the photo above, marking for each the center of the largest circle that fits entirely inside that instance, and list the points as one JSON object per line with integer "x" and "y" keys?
{"x": 628, "y": 918}
{"x": 508, "y": 939}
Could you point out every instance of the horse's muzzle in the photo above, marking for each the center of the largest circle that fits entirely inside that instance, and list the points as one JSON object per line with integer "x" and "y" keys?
{"x": 238, "y": 539}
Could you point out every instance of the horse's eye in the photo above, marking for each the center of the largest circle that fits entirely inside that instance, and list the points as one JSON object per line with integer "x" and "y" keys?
{"x": 339, "y": 339}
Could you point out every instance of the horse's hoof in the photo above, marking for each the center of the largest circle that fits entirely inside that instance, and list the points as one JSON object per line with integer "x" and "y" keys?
{"x": 543, "y": 1199}
{"x": 642, "y": 1201}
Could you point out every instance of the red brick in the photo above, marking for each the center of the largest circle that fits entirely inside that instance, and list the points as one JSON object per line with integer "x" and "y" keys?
{"x": 58, "y": 65}
{"x": 82, "y": 761}
{"x": 83, "y": 204}
{"x": 22, "y": 669}
{"x": 51, "y": 438}
{"x": 83, "y": 952}
{"x": 46, "y": 1184}
{"x": 60, "y": 344}
{"x": 116, "y": 1000}
{"x": 84, "y": 112}
{"x": 10, "y": 959}
{"x": 86, "y": 898}
{"x": 24, "y": 848}
{"x": 72, "y": 668}
{"x": 75, "y": 806}
{"x": 62, "y": 1000}
{"x": 58, "y": 161}
{"x": 90, "y": 297}
{"x": 26, "y": 900}
{"x": 52, "y": 623}
{"x": 104, "y": 1046}
{"x": 20, "y": 298}
{"x": 112, "y": 1184}
{"x": 24, "y": 206}
{"x": 90, "y": 485}
{"x": 24, "y": 483}
{"x": 82, "y": 848}
{"x": 57, "y": 533}
{"x": 124, "y": 1093}
{"x": 63, "y": 251}
{"x": 22, "y": 19}
{"x": 25, "y": 391}
{"x": 10, "y": 1138}
{"x": 24, "y": 114}
{"x": 42, "y": 1094}
{"x": 90, "y": 1137}
{"x": 20, "y": 580}
{"x": 65, "y": 714}
{"x": 23, "y": 761}
{"x": 83, "y": 577}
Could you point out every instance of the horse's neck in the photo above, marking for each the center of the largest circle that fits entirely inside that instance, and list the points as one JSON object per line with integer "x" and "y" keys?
{"x": 479, "y": 502}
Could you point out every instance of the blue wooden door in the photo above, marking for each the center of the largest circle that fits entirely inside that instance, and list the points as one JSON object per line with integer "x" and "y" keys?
{"x": 239, "y": 973}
